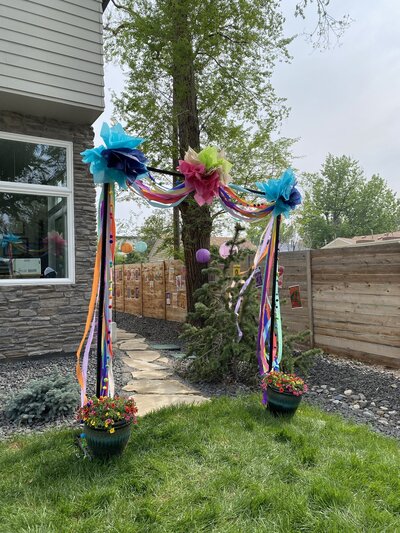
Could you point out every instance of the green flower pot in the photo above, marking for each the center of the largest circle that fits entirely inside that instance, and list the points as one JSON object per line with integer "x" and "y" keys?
{"x": 282, "y": 403}
{"x": 104, "y": 444}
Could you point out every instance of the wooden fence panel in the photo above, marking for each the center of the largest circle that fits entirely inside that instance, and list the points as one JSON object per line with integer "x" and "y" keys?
{"x": 119, "y": 296}
{"x": 175, "y": 291}
{"x": 133, "y": 289}
{"x": 295, "y": 273}
{"x": 356, "y": 300}
{"x": 153, "y": 283}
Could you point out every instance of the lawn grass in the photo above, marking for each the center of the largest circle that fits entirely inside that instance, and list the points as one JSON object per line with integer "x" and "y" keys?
{"x": 225, "y": 466}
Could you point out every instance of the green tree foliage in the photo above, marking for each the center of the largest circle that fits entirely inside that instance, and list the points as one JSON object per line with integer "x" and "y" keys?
{"x": 233, "y": 46}
{"x": 341, "y": 202}
{"x": 199, "y": 72}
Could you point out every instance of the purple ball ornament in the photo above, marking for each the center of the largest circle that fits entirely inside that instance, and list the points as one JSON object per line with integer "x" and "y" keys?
{"x": 225, "y": 250}
{"x": 203, "y": 255}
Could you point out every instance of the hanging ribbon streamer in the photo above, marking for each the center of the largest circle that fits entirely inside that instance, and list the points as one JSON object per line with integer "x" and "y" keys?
{"x": 206, "y": 176}
{"x": 106, "y": 375}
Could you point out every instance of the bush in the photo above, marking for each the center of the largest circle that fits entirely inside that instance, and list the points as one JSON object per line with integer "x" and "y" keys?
{"x": 212, "y": 337}
{"x": 44, "y": 400}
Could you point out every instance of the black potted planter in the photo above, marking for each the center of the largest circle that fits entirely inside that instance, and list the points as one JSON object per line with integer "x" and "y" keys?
{"x": 282, "y": 403}
{"x": 104, "y": 444}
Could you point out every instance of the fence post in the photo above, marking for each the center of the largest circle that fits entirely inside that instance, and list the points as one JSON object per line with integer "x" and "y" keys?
{"x": 309, "y": 296}
{"x": 123, "y": 287}
{"x": 141, "y": 288}
{"x": 165, "y": 291}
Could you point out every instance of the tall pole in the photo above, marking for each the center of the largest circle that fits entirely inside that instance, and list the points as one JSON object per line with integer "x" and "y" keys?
{"x": 274, "y": 272}
{"x": 100, "y": 314}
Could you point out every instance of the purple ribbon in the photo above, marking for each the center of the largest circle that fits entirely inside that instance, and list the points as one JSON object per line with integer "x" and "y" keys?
{"x": 85, "y": 360}
{"x": 264, "y": 241}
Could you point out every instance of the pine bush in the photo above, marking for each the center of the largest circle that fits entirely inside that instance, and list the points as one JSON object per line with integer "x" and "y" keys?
{"x": 212, "y": 337}
{"x": 44, "y": 400}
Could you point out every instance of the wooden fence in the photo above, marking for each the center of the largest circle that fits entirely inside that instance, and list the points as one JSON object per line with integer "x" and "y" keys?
{"x": 156, "y": 290}
{"x": 350, "y": 297}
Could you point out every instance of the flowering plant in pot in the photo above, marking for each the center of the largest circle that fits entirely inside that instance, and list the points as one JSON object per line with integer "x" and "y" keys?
{"x": 284, "y": 392}
{"x": 108, "y": 423}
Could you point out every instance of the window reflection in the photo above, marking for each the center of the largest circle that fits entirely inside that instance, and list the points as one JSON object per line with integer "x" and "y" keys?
{"x": 33, "y": 232}
{"x": 31, "y": 163}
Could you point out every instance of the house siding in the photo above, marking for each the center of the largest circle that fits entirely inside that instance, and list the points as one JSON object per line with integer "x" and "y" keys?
{"x": 52, "y": 50}
{"x": 49, "y": 319}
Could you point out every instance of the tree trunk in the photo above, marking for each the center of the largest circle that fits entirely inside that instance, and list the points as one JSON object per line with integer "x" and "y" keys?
{"x": 196, "y": 231}
{"x": 196, "y": 220}
{"x": 175, "y": 180}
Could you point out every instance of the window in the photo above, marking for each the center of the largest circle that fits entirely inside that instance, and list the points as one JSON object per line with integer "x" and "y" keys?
{"x": 36, "y": 211}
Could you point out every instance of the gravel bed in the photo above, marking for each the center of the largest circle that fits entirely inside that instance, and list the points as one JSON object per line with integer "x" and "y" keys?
{"x": 16, "y": 375}
{"x": 153, "y": 329}
{"x": 365, "y": 393}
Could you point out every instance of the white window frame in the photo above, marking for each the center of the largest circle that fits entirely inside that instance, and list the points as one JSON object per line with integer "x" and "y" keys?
{"x": 46, "y": 190}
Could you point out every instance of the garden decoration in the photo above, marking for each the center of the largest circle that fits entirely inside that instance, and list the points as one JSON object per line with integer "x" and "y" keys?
{"x": 206, "y": 176}
{"x": 225, "y": 250}
{"x": 126, "y": 248}
{"x": 108, "y": 423}
{"x": 203, "y": 255}
{"x": 140, "y": 247}
{"x": 284, "y": 392}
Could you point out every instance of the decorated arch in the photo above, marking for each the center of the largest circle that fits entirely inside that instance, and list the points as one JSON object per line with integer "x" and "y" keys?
{"x": 207, "y": 176}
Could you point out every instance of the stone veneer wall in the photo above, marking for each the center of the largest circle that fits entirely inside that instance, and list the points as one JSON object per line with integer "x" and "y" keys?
{"x": 49, "y": 319}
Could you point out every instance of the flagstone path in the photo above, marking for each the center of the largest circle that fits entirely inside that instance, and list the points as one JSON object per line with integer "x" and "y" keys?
{"x": 153, "y": 384}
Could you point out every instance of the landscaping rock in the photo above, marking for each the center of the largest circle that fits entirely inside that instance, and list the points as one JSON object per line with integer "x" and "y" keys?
{"x": 133, "y": 345}
{"x": 143, "y": 355}
{"x": 151, "y": 402}
{"x": 143, "y": 365}
{"x": 151, "y": 374}
{"x": 350, "y": 377}
{"x": 158, "y": 387}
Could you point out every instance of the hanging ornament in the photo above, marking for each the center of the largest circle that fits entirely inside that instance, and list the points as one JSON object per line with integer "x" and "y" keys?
{"x": 225, "y": 250}
{"x": 203, "y": 255}
{"x": 126, "y": 247}
{"x": 140, "y": 247}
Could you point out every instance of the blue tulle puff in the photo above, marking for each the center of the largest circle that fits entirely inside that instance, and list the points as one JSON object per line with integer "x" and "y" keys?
{"x": 283, "y": 192}
{"x": 108, "y": 163}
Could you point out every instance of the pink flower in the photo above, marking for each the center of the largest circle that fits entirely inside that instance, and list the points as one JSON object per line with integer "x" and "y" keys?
{"x": 205, "y": 185}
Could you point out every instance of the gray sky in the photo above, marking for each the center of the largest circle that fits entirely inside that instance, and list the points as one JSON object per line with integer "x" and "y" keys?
{"x": 344, "y": 100}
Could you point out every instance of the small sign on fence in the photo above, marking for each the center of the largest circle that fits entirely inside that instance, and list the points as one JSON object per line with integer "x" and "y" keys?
{"x": 295, "y": 298}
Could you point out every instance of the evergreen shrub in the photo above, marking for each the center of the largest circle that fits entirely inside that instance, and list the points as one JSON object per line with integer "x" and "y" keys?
{"x": 44, "y": 400}
{"x": 211, "y": 333}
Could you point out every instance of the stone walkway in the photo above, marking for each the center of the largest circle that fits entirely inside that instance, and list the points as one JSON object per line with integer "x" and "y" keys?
{"x": 153, "y": 384}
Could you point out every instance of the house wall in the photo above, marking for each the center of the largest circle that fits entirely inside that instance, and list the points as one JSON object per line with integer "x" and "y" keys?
{"x": 44, "y": 319}
{"x": 51, "y": 58}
